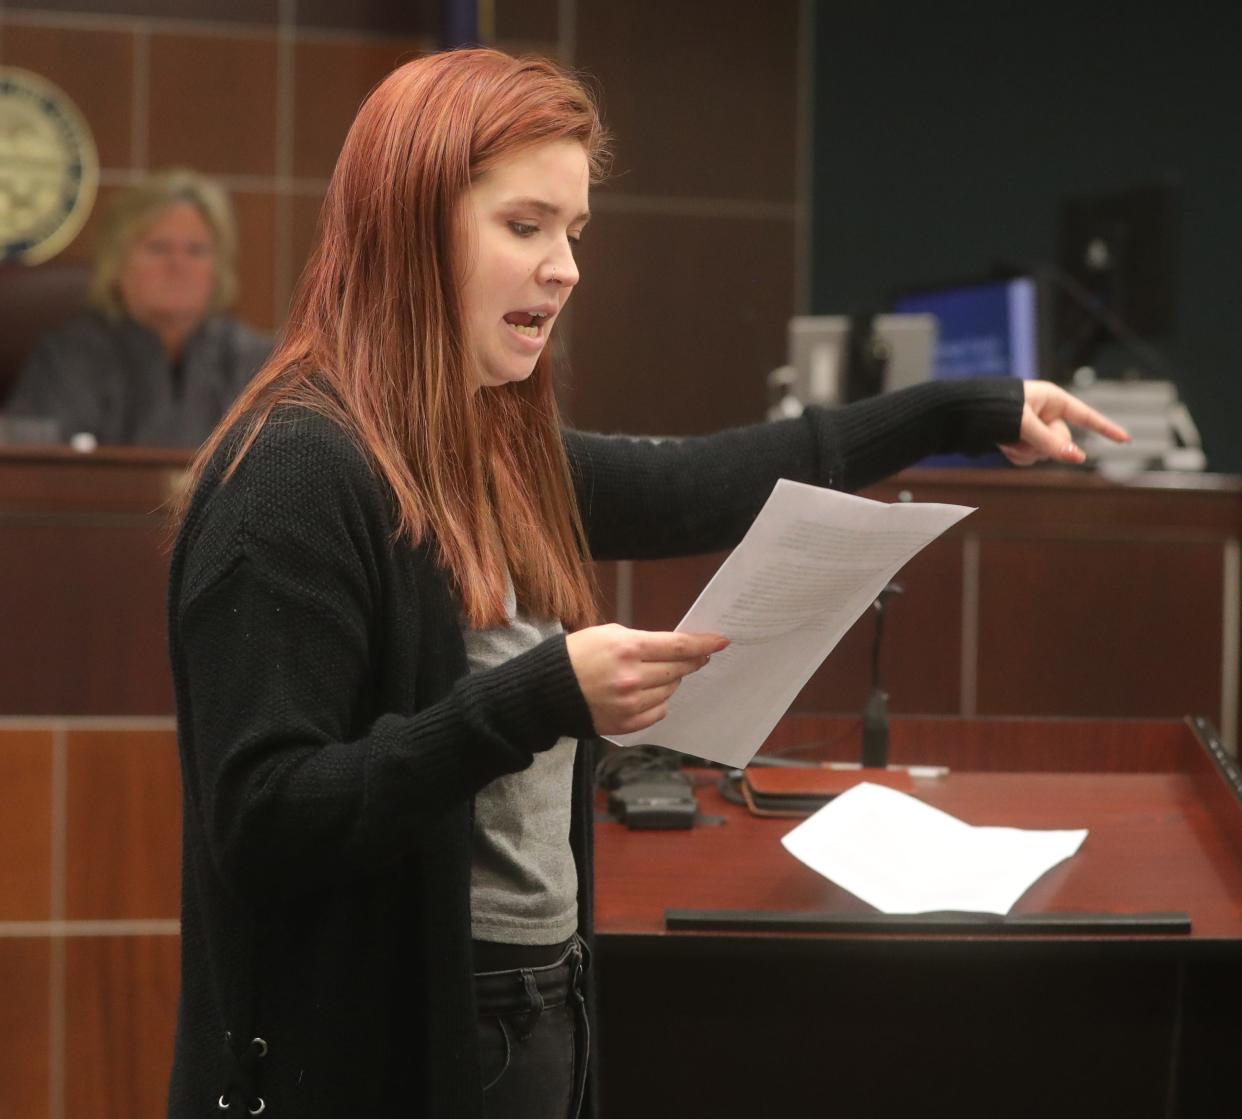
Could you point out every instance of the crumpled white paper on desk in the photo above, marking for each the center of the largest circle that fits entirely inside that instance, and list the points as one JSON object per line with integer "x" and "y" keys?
{"x": 903, "y": 856}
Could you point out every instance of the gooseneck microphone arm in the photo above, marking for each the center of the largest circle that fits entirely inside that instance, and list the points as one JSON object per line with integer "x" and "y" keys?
{"x": 875, "y": 714}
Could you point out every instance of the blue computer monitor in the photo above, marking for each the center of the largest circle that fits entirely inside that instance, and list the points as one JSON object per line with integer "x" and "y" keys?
{"x": 985, "y": 328}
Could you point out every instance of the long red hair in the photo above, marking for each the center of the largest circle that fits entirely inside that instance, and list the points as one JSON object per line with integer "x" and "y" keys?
{"x": 374, "y": 337}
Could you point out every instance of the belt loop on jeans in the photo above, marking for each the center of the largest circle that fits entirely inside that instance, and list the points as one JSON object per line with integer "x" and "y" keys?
{"x": 535, "y": 999}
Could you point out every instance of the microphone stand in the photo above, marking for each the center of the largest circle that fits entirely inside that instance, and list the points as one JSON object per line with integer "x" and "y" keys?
{"x": 875, "y": 714}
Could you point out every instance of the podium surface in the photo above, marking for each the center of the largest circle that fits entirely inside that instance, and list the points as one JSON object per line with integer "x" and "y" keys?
{"x": 1088, "y": 1022}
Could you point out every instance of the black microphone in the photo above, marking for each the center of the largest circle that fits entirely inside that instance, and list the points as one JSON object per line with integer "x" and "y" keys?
{"x": 875, "y": 714}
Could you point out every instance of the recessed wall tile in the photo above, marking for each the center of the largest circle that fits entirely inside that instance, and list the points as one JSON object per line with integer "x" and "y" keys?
{"x": 25, "y": 826}
{"x": 94, "y": 68}
{"x": 331, "y": 79}
{"x": 24, "y": 979}
{"x": 213, "y": 103}
{"x": 677, "y": 321}
{"x": 60, "y": 604}
{"x": 256, "y": 259}
{"x": 703, "y": 101}
{"x": 120, "y": 1019}
{"x": 124, "y": 825}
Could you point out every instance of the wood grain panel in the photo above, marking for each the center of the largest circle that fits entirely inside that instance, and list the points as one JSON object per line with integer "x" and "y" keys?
{"x": 921, "y": 649}
{"x": 124, "y": 825}
{"x": 1005, "y": 744}
{"x": 24, "y": 1021}
{"x": 84, "y": 603}
{"x": 25, "y": 825}
{"x": 1051, "y": 500}
{"x": 48, "y": 480}
{"x": 1097, "y": 627}
{"x": 121, "y": 995}
{"x": 665, "y": 589}
{"x": 256, "y": 259}
{"x": 195, "y": 117}
{"x": 703, "y": 102}
{"x": 677, "y": 321}
{"x": 331, "y": 79}
{"x": 95, "y": 68}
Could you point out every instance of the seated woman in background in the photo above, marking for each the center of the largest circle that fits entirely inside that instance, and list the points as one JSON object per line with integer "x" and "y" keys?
{"x": 155, "y": 361}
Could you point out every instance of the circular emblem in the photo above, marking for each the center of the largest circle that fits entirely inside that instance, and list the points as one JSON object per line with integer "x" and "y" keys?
{"x": 48, "y": 168}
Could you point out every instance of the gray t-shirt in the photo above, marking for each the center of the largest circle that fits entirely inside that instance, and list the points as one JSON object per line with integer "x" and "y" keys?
{"x": 523, "y": 882}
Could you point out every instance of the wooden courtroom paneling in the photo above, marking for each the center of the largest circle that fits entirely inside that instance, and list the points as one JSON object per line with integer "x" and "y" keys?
{"x": 25, "y": 825}
{"x": 120, "y": 1017}
{"x": 646, "y": 365}
{"x": 663, "y": 590}
{"x": 24, "y": 1023}
{"x": 1099, "y": 626}
{"x": 186, "y": 119}
{"x": 124, "y": 825}
{"x": 94, "y": 67}
{"x": 331, "y": 78}
{"x": 83, "y": 576}
{"x": 1094, "y": 597}
{"x": 88, "y": 976}
{"x": 921, "y": 649}
{"x": 84, "y": 607}
{"x": 1060, "y": 745}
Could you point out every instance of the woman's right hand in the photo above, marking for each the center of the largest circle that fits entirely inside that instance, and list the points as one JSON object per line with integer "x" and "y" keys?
{"x": 628, "y": 675}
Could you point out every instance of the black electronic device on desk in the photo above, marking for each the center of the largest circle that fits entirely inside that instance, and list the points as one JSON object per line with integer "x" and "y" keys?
{"x": 647, "y": 789}
{"x": 664, "y": 802}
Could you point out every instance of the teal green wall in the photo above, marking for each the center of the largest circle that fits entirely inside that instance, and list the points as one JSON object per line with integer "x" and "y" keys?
{"x": 944, "y": 136}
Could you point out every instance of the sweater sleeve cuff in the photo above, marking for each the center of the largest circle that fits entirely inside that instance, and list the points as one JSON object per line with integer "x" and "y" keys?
{"x": 533, "y": 699}
{"x": 864, "y": 442}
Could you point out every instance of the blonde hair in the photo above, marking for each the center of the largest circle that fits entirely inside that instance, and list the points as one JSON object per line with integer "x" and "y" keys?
{"x": 137, "y": 206}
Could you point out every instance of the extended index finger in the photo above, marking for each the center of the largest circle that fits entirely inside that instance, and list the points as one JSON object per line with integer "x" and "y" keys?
{"x": 656, "y": 646}
{"x": 1083, "y": 415}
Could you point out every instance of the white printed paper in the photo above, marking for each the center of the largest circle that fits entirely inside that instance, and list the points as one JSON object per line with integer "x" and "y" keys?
{"x": 813, "y": 561}
{"x": 903, "y": 856}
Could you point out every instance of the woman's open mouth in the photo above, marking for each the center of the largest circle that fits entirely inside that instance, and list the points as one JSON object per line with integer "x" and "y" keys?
{"x": 529, "y": 324}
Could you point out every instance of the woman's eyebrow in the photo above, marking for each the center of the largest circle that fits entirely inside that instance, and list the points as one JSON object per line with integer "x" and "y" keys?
{"x": 546, "y": 208}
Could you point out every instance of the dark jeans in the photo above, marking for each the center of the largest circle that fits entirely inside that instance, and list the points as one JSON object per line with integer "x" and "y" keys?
{"x": 534, "y": 1040}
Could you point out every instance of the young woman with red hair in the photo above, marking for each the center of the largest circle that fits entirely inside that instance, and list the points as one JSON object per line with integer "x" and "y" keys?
{"x": 382, "y": 623}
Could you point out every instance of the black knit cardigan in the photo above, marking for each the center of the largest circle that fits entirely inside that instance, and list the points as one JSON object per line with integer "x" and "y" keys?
{"x": 332, "y": 740}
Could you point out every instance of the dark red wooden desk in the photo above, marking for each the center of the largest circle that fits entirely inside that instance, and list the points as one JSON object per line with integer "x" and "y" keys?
{"x": 879, "y": 1024}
